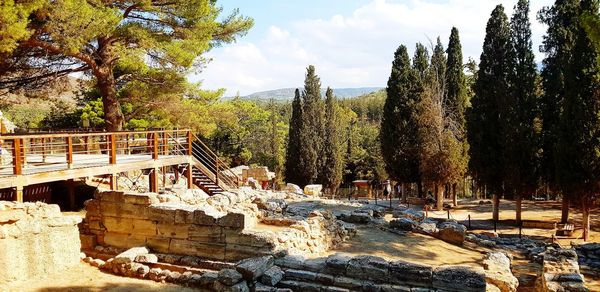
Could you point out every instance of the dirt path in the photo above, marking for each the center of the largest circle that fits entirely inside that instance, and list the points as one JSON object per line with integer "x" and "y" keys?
{"x": 415, "y": 248}
{"x": 87, "y": 278}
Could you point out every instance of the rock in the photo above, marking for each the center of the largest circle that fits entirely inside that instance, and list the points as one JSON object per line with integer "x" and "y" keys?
{"x": 208, "y": 278}
{"x": 272, "y": 276}
{"x": 337, "y": 263}
{"x": 368, "y": 268}
{"x": 498, "y": 272}
{"x": 146, "y": 258}
{"x": 292, "y": 188}
{"x": 402, "y": 272}
{"x": 356, "y": 217}
{"x": 429, "y": 228}
{"x": 459, "y": 279}
{"x": 313, "y": 190}
{"x": 415, "y": 215}
{"x": 229, "y": 277}
{"x": 129, "y": 255}
{"x": 239, "y": 287}
{"x": 452, "y": 232}
{"x": 404, "y": 224}
{"x": 253, "y": 268}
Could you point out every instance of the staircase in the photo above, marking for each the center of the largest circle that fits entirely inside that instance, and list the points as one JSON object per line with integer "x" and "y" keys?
{"x": 209, "y": 173}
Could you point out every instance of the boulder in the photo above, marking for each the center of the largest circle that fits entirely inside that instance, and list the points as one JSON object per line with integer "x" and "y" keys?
{"x": 253, "y": 268}
{"x": 239, "y": 287}
{"x": 272, "y": 276}
{"x": 458, "y": 279}
{"x": 313, "y": 190}
{"x": 368, "y": 268}
{"x": 404, "y": 224}
{"x": 415, "y": 215}
{"x": 452, "y": 232}
{"x": 498, "y": 272}
{"x": 229, "y": 277}
{"x": 292, "y": 188}
{"x": 336, "y": 263}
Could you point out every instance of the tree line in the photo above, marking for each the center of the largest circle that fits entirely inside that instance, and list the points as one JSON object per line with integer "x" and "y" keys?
{"x": 519, "y": 129}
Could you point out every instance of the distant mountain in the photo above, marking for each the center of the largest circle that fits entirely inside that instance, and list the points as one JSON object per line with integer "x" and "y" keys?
{"x": 288, "y": 93}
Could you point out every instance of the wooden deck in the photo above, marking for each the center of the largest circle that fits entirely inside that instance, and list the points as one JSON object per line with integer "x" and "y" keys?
{"x": 32, "y": 159}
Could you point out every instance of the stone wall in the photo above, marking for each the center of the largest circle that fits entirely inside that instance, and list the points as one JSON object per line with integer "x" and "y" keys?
{"x": 35, "y": 238}
{"x": 589, "y": 258}
{"x": 126, "y": 220}
{"x": 560, "y": 272}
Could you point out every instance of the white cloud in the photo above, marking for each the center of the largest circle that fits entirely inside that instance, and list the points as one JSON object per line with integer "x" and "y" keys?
{"x": 352, "y": 50}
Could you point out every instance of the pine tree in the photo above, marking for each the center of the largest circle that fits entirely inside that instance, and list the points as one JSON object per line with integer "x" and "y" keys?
{"x": 312, "y": 129}
{"x": 292, "y": 155}
{"x": 456, "y": 91}
{"x": 486, "y": 126}
{"x": 578, "y": 147}
{"x": 522, "y": 146}
{"x": 398, "y": 135}
{"x": 333, "y": 151}
{"x": 557, "y": 45}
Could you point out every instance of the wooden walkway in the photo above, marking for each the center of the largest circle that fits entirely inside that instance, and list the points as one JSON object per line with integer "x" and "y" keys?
{"x": 32, "y": 159}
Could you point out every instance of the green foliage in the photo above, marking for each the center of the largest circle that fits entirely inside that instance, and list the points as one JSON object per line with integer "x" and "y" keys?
{"x": 333, "y": 150}
{"x": 311, "y": 134}
{"x": 487, "y": 127}
{"x": 456, "y": 92}
{"x": 93, "y": 112}
{"x": 292, "y": 158}
{"x": 399, "y": 127}
{"x": 522, "y": 139}
{"x": 421, "y": 61}
{"x": 367, "y": 107}
{"x": 154, "y": 43}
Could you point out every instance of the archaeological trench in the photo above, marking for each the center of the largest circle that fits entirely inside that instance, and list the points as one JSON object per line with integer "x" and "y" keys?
{"x": 249, "y": 240}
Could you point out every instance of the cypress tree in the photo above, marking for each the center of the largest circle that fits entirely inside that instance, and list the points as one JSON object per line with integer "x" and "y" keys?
{"x": 486, "y": 122}
{"x": 333, "y": 150}
{"x": 557, "y": 45}
{"x": 456, "y": 91}
{"x": 292, "y": 155}
{"x": 312, "y": 129}
{"x": 399, "y": 126}
{"x": 438, "y": 66}
{"x": 421, "y": 61}
{"x": 521, "y": 154}
{"x": 578, "y": 148}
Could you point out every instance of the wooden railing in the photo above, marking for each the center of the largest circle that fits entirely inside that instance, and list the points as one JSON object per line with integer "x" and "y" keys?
{"x": 24, "y": 154}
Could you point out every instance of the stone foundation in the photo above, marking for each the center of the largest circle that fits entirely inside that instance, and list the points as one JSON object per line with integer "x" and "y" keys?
{"x": 35, "y": 238}
{"x": 560, "y": 272}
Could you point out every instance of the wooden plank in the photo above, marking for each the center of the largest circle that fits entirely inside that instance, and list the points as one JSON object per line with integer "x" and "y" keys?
{"x": 112, "y": 149}
{"x": 69, "y": 151}
{"x": 155, "y": 146}
{"x": 78, "y": 134}
{"x": 17, "y": 167}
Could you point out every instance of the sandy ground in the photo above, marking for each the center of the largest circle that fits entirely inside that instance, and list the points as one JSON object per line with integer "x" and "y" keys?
{"x": 84, "y": 277}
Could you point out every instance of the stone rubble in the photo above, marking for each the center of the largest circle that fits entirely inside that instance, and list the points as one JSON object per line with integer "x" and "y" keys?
{"x": 560, "y": 272}
{"x": 498, "y": 272}
{"x": 589, "y": 258}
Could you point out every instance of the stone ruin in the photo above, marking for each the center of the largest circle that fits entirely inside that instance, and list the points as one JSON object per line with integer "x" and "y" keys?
{"x": 35, "y": 238}
{"x": 221, "y": 227}
{"x": 560, "y": 272}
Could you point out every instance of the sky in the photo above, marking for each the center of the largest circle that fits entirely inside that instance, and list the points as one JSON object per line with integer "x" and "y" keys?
{"x": 350, "y": 42}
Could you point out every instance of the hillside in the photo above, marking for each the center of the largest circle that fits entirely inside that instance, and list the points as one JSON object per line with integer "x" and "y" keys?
{"x": 288, "y": 93}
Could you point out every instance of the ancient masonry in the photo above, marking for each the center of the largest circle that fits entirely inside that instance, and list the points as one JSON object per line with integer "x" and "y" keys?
{"x": 35, "y": 238}
{"x": 126, "y": 220}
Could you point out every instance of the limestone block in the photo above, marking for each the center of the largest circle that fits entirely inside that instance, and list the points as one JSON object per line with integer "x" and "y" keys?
{"x": 111, "y": 196}
{"x": 146, "y": 258}
{"x": 201, "y": 218}
{"x": 88, "y": 241}
{"x": 348, "y": 283}
{"x": 113, "y": 209}
{"x": 498, "y": 272}
{"x": 185, "y": 214}
{"x": 159, "y": 244}
{"x": 251, "y": 238}
{"x": 92, "y": 207}
{"x": 291, "y": 262}
{"x": 171, "y": 230}
{"x": 233, "y": 220}
{"x": 164, "y": 212}
{"x": 402, "y": 272}
{"x": 396, "y": 288}
{"x": 459, "y": 279}
{"x": 213, "y": 251}
{"x": 301, "y": 286}
{"x": 10, "y": 216}
{"x": 229, "y": 277}
{"x": 272, "y": 276}
{"x": 118, "y": 225}
{"x": 368, "y": 268}
{"x": 239, "y": 287}
{"x": 313, "y": 190}
{"x": 123, "y": 240}
{"x": 300, "y": 275}
{"x": 63, "y": 221}
{"x": 129, "y": 255}
{"x": 253, "y": 268}
{"x": 140, "y": 199}
{"x": 209, "y": 234}
{"x": 452, "y": 232}
{"x": 236, "y": 252}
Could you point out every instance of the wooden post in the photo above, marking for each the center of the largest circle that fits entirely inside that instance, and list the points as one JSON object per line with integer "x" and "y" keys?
{"x": 216, "y": 170}
{"x": 190, "y": 141}
{"x": 112, "y": 151}
{"x": 114, "y": 182}
{"x": 165, "y": 147}
{"x": 189, "y": 176}
{"x": 43, "y": 149}
{"x": 17, "y": 168}
{"x": 155, "y": 146}
{"x": 153, "y": 180}
{"x": 69, "y": 152}
{"x": 86, "y": 144}
{"x": 19, "y": 194}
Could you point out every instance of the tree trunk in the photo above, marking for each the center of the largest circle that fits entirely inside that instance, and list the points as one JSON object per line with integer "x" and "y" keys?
{"x": 519, "y": 203}
{"x": 404, "y": 193}
{"x": 454, "y": 196}
{"x": 439, "y": 196}
{"x": 585, "y": 208}
{"x": 496, "y": 206}
{"x": 420, "y": 189}
{"x": 106, "y": 84}
{"x": 564, "y": 218}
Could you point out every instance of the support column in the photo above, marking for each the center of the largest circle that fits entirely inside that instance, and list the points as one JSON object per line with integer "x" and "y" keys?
{"x": 153, "y": 176}
{"x": 19, "y": 194}
{"x": 114, "y": 186}
{"x": 189, "y": 177}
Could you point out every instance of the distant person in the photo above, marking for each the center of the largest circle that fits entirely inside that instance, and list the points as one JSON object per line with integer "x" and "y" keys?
{"x": 387, "y": 188}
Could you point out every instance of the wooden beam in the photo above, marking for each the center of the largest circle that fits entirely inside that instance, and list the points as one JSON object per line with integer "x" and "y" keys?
{"x": 190, "y": 141}
{"x": 69, "y": 152}
{"x": 153, "y": 180}
{"x": 155, "y": 146}
{"x": 189, "y": 176}
{"x": 112, "y": 151}
{"x": 17, "y": 167}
